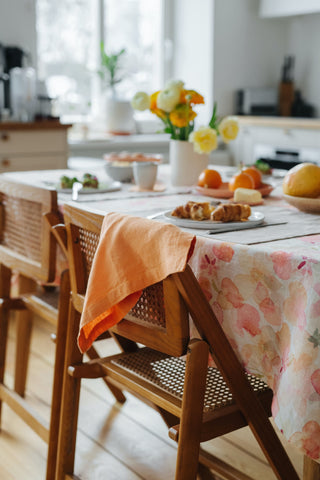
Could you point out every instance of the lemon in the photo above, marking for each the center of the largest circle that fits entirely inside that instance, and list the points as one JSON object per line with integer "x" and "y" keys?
{"x": 303, "y": 180}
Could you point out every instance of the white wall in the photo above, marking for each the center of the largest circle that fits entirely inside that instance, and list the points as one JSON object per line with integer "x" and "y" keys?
{"x": 248, "y": 51}
{"x": 272, "y": 8}
{"x": 17, "y": 25}
{"x": 303, "y": 41}
{"x": 193, "y": 50}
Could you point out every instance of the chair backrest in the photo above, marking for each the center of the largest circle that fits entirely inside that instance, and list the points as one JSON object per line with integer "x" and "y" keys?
{"x": 26, "y": 242}
{"x": 159, "y": 319}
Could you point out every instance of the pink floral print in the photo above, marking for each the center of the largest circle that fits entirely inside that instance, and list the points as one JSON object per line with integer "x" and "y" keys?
{"x": 267, "y": 300}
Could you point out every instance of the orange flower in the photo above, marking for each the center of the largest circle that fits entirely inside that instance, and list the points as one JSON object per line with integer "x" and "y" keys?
{"x": 191, "y": 96}
{"x": 153, "y": 106}
{"x": 182, "y": 115}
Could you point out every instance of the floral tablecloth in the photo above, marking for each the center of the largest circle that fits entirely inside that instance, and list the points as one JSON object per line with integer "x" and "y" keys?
{"x": 267, "y": 299}
{"x": 265, "y": 292}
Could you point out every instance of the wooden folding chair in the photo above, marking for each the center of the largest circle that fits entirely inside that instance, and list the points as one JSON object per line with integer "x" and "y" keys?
{"x": 27, "y": 248}
{"x": 201, "y": 402}
{"x": 29, "y": 222}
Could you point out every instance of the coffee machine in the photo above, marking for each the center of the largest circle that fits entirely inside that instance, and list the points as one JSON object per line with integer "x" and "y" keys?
{"x": 10, "y": 57}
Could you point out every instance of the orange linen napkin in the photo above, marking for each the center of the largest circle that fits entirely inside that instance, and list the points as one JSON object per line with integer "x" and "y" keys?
{"x": 132, "y": 254}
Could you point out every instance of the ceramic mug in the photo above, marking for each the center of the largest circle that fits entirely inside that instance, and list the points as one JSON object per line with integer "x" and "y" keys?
{"x": 145, "y": 174}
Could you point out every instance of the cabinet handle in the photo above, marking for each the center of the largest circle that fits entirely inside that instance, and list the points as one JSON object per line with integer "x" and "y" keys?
{"x": 5, "y": 137}
{"x": 5, "y": 162}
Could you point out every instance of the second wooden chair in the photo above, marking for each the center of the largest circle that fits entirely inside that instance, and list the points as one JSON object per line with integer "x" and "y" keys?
{"x": 199, "y": 403}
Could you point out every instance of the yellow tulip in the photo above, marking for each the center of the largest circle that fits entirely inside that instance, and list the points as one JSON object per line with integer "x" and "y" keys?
{"x": 204, "y": 140}
{"x": 140, "y": 101}
{"x": 191, "y": 96}
{"x": 153, "y": 106}
{"x": 228, "y": 129}
{"x": 182, "y": 115}
{"x": 168, "y": 98}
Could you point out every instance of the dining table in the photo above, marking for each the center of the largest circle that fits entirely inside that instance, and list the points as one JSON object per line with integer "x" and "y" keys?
{"x": 261, "y": 277}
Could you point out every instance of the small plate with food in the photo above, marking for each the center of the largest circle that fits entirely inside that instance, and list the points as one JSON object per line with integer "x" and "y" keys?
{"x": 223, "y": 191}
{"x": 90, "y": 184}
{"x": 210, "y": 183}
{"x": 203, "y": 215}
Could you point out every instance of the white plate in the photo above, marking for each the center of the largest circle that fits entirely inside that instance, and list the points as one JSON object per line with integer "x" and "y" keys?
{"x": 103, "y": 188}
{"x": 256, "y": 218}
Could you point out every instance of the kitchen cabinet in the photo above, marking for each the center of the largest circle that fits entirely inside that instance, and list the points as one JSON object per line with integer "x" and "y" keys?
{"x": 285, "y": 8}
{"x": 259, "y": 136}
{"x": 33, "y": 146}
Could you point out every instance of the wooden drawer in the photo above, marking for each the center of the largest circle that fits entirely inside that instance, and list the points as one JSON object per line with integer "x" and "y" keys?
{"x": 12, "y": 163}
{"x": 35, "y": 141}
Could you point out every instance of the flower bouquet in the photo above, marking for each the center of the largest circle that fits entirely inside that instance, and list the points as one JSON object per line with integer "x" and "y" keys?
{"x": 174, "y": 105}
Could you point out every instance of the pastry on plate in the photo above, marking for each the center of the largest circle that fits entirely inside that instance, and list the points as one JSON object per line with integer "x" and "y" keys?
{"x": 231, "y": 213}
{"x": 194, "y": 211}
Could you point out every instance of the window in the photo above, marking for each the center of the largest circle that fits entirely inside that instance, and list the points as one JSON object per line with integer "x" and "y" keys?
{"x": 69, "y": 34}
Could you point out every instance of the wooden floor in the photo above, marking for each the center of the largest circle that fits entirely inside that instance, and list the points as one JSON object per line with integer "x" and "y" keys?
{"x": 115, "y": 442}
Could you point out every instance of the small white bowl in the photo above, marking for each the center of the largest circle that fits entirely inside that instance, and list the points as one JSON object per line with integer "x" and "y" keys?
{"x": 120, "y": 173}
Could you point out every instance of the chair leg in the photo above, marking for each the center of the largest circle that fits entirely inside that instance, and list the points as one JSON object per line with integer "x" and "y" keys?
{"x": 4, "y": 321}
{"x": 70, "y": 401}
{"x": 205, "y": 474}
{"x": 311, "y": 469}
{"x": 23, "y": 339}
{"x": 192, "y": 411}
{"x": 61, "y": 335}
{"x": 117, "y": 393}
{"x": 5, "y": 285}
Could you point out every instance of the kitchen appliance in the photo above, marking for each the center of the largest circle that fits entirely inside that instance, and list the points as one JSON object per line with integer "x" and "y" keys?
{"x": 286, "y": 158}
{"x": 23, "y": 94}
{"x": 257, "y": 101}
{"x": 10, "y": 57}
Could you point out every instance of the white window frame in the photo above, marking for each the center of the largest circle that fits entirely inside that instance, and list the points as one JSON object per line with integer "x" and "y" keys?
{"x": 164, "y": 53}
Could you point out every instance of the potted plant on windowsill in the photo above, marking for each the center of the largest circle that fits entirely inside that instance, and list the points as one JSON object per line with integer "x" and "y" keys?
{"x": 189, "y": 146}
{"x": 119, "y": 113}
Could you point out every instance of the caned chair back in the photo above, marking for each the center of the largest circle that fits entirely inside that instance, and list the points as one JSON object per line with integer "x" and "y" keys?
{"x": 26, "y": 244}
{"x": 160, "y": 307}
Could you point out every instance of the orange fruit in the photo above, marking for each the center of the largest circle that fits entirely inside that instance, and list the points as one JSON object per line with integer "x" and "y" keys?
{"x": 303, "y": 180}
{"x": 209, "y": 179}
{"x": 241, "y": 180}
{"x": 255, "y": 174}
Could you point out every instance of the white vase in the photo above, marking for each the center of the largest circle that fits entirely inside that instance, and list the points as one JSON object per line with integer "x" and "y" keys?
{"x": 119, "y": 116}
{"x": 186, "y": 164}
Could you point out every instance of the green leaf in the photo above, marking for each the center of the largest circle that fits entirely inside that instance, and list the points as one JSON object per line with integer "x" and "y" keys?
{"x": 213, "y": 121}
{"x": 172, "y": 129}
{"x": 110, "y": 65}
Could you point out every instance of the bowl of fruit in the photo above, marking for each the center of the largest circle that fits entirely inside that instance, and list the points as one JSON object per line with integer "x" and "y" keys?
{"x": 301, "y": 187}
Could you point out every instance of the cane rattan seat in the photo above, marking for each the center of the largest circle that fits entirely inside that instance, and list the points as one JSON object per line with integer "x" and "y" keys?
{"x": 198, "y": 403}
{"x": 167, "y": 373}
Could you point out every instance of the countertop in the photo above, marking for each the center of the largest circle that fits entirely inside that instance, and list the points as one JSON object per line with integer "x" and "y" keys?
{"x": 120, "y": 140}
{"x": 40, "y": 125}
{"x": 280, "y": 122}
